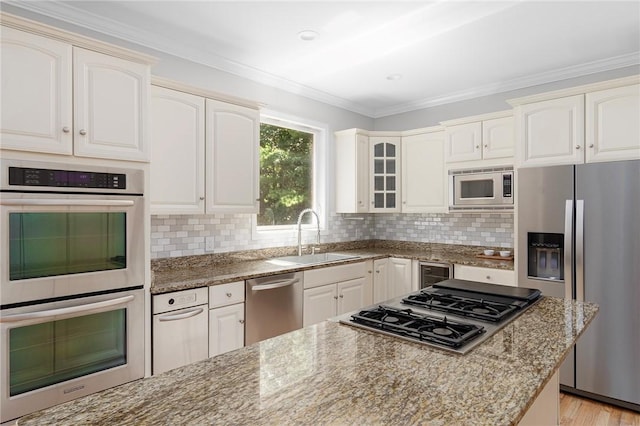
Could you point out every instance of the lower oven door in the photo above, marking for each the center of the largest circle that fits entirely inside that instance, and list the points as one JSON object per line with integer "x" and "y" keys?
{"x": 58, "y": 351}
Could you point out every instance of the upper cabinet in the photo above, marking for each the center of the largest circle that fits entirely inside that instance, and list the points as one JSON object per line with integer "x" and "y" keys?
{"x": 232, "y": 150}
{"x": 480, "y": 138}
{"x": 96, "y": 107}
{"x": 613, "y": 124}
{"x": 215, "y": 147}
{"x": 352, "y": 171}
{"x": 597, "y": 122}
{"x": 384, "y": 180}
{"x": 424, "y": 183}
{"x": 177, "y": 134}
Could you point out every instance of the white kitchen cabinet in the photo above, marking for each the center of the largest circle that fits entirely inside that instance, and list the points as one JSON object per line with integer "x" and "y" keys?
{"x": 335, "y": 290}
{"x": 110, "y": 106}
{"x": 485, "y": 137}
{"x": 424, "y": 183}
{"x": 352, "y": 171}
{"x": 177, "y": 157}
{"x": 485, "y": 275}
{"x": 232, "y": 164}
{"x": 613, "y": 124}
{"x": 226, "y": 317}
{"x": 391, "y": 278}
{"x": 37, "y": 112}
{"x": 550, "y": 132}
{"x": 498, "y": 138}
{"x": 61, "y": 99}
{"x": 384, "y": 173}
{"x": 464, "y": 142}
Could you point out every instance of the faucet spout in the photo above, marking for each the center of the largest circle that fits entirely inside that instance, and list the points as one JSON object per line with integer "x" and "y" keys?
{"x": 302, "y": 213}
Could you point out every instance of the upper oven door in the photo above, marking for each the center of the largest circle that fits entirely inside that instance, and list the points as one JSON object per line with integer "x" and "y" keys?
{"x": 60, "y": 245}
{"x": 482, "y": 189}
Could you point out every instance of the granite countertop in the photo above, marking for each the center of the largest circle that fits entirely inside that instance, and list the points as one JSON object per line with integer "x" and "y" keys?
{"x": 332, "y": 373}
{"x": 196, "y": 271}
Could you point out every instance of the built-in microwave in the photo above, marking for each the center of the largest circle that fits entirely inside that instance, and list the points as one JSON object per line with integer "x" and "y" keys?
{"x": 481, "y": 189}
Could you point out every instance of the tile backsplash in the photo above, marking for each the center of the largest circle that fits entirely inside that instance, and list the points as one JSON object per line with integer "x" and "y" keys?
{"x": 186, "y": 235}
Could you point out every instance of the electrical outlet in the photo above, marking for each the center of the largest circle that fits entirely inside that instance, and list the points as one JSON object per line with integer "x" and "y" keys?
{"x": 208, "y": 243}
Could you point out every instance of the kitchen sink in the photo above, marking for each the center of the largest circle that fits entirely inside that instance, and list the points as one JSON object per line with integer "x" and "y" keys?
{"x": 310, "y": 259}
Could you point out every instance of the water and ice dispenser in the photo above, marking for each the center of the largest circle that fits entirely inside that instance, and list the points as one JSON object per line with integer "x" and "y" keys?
{"x": 545, "y": 256}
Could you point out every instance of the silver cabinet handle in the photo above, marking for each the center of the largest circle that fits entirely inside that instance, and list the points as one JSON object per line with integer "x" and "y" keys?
{"x": 335, "y": 297}
{"x": 591, "y": 146}
{"x": 65, "y": 129}
{"x": 64, "y": 202}
{"x": 82, "y": 132}
{"x": 342, "y": 296}
{"x": 241, "y": 321}
{"x": 274, "y": 284}
{"x": 229, "y": 294}
{"x": 72, "y": 310}
{"x": 182, "y": 315}
{"x": 201, "y": 198}
{"x": 577, "y": 146}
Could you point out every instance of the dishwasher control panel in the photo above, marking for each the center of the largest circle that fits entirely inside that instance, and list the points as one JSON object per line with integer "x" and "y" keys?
{"x": 180, "y": 299}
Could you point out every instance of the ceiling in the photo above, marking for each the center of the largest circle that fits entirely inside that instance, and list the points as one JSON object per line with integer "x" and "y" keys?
{"x": 444, "y": 51}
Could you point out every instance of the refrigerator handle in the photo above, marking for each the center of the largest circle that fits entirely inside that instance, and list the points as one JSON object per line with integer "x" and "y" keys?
{"x": 579, "y": 250}
{"x": 568, "y": 249}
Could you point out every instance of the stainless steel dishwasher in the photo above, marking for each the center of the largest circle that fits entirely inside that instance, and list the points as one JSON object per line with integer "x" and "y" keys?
{"x": 273, "y": 306}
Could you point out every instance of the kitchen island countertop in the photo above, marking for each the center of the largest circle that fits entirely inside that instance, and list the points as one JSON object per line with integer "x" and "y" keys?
{"x": 336, "y": 374}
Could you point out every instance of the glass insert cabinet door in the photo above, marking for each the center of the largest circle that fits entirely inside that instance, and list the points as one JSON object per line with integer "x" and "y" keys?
{"x": 385, "y": 173}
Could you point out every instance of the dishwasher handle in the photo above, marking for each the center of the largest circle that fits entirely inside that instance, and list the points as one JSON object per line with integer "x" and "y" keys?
{"x": 182, "y": 315}
{"x": 274, "y": 284}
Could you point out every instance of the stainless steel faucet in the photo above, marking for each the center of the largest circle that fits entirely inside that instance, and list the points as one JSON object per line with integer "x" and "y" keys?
{"x": 302, "y": 213}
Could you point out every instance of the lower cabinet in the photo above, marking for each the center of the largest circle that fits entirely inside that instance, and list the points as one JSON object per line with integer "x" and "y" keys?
{"x": 226, "y": 317}
{"x": 485, "y": 275}
{"x": 391, "y": 278}
{"x": 335, "y": 290}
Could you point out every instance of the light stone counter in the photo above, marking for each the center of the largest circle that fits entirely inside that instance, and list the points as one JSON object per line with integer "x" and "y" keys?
{"x": 336, "y": 374}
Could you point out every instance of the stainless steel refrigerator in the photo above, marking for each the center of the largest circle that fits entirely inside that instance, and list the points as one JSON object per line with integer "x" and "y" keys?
{"x": 578, "y": 235}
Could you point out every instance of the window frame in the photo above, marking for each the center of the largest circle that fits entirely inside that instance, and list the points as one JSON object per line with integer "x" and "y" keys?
{"x": 319, "y": 173}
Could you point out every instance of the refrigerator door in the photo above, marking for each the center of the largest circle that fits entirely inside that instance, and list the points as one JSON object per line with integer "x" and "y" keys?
{"x": 607, "y": 354}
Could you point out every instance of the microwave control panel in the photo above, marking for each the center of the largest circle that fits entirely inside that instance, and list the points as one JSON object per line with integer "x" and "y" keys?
{"x": 507, "y": 185}
{"x": 23, "y": 176}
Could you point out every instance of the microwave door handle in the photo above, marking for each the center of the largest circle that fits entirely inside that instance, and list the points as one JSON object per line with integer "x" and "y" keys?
{"x": 70, "y": 311}
{"x": 65, "y": 202}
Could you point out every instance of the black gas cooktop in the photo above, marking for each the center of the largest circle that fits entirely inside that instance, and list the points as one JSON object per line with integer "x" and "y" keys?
{"x": 455, "y": 314}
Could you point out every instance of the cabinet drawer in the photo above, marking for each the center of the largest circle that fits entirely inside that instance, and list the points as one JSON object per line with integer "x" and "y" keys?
{"x": 226, "y": 294}
{"x": 485, "y": 275}
{"x": 333, "y": 274}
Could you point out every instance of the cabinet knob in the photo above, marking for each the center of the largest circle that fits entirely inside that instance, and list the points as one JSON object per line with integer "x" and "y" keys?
{"x": 341, "y": 296}
{"x": 229, "y": 295}
{"x": 65, "y": 129}
{"x": 591, "y": 146}
{"x": 404, "y": 202}
{"x": 577, "y": 146}
{"x": 377, "y": 272}
{"x": 201, "y": 198}
{"x": 82, "y": 132}
{"x": 486, "y": 146}
{"x": 488, "y": 277}
{"x": 241, "y": 321}
{"x": 368, "y": 272}
{"x": 477, "y": 146}
{"x": 335, "y": 297}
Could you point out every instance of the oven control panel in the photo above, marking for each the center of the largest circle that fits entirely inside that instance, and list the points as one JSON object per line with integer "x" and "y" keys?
{"x": 24, "y": 176}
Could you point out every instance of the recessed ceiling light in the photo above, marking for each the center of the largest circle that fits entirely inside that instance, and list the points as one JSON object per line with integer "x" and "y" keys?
{"x": 307, "y": 35}
{"x": 394, "y": 77}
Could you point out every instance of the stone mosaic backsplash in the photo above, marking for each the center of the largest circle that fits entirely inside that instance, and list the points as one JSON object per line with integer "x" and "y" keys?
{"x": 186, "y": 235}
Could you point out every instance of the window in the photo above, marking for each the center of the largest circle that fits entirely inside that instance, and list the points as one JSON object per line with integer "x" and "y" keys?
{"x": 286, "y": 172}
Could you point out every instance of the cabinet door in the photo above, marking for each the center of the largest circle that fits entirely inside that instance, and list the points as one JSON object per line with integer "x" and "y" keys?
{"x": 353, "y": 295}
{"x": 319, "y": 304}
{"x": 423, "y": 174}
{"x": 177, "y": 155}
{"x": 362, "y": 174}
{"x": 384, "y": 181}
{"x": 498, "y": 138}
{"x": 398, "y": 277}
{"x": 613, "y": 124}
{"x": 110, "y": 107}
{"x": 232, "y": 146}
{"x": 380, "y": 283}
{"x": 36, "y": 93}
{"x": 551, "y": 132}
{"x": 463, "y": 142}
{"x": 226, "y": 329}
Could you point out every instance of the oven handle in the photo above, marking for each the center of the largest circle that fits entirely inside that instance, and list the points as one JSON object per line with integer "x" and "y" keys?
{"x": 85, "y": 309}
{"x": 63, "y": 202}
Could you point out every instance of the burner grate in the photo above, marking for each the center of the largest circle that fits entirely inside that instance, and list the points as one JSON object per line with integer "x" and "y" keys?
{"x": 479, "y": 308}
{"x": 420, "y": 327}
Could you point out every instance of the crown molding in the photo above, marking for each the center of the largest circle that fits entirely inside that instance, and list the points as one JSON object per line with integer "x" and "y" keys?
{"x": 66, "y": 12}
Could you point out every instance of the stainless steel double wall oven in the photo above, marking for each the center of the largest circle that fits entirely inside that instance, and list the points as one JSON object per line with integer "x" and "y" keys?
{"x": 71, "y": 282}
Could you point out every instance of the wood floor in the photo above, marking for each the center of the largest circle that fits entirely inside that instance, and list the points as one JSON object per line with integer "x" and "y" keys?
{"x": 576, "y": 411}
